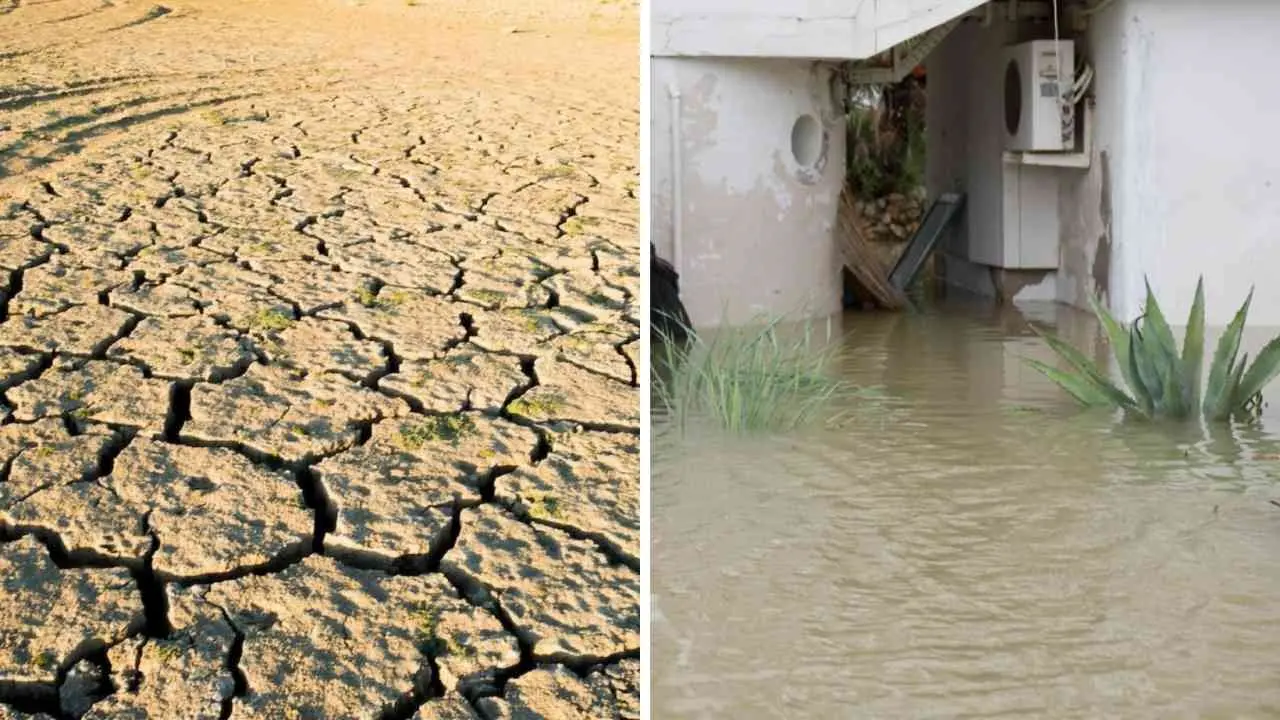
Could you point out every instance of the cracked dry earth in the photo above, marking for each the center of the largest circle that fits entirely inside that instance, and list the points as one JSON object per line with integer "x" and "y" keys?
{"x": 318, "y": 334}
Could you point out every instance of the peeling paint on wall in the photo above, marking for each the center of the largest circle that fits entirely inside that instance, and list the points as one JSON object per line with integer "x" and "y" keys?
{"x": 1101, "y": 272}
{"x": 757, "y": 225}
{"x": 1023, "y": 285}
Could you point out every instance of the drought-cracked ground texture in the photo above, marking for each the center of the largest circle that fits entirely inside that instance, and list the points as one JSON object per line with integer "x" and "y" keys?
{"x": 318, "y": 333}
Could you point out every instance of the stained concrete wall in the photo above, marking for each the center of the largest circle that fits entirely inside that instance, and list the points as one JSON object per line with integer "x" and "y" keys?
{"x": 817, "y": 29}
{"x": 1195, "y": 172}
{"x": 757, "y": 226}
{"x": 1088, "y": 198}
{"x": 1011, "y": 212}
{"x": 1185, "y": 175}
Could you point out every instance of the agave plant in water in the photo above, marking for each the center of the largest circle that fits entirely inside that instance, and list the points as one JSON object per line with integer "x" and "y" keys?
{"x": 1163, "y": 382}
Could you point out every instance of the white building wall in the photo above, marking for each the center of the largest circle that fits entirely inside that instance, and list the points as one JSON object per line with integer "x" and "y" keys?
{"x": 1091, "y": 221}
{"x": 1199, "y": 185}
{"x": 757, "y": 227}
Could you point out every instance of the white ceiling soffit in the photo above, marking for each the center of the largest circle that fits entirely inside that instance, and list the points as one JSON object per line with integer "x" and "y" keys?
{"x": 900, "y": 20}
{"x": 817, "y": 29}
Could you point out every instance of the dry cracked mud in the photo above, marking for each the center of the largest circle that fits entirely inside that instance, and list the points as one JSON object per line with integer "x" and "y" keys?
{"x": 318, "y": 344}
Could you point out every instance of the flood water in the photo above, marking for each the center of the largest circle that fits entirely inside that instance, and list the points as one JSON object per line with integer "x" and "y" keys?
{"x": 972, "y": 545}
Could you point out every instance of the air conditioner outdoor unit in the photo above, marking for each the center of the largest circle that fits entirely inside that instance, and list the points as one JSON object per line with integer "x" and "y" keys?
{"x": 1038, "y": 116}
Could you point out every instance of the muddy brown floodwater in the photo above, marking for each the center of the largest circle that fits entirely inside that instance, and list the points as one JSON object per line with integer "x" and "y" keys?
{"x": 971, "y": 546}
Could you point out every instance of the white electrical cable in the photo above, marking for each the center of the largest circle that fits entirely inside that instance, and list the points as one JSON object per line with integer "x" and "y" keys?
{"x": 1058, "y": 72}
{"x": 1084, "y": 80}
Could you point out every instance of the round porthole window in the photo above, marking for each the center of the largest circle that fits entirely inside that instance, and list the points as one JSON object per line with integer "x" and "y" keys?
{"x": 808, "y": 147}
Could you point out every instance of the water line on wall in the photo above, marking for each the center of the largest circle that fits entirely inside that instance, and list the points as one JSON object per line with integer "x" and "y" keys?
{"x": 677, "y": 181}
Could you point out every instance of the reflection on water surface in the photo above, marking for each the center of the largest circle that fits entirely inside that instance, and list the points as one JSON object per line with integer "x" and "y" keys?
{"x": 972, "y": 547}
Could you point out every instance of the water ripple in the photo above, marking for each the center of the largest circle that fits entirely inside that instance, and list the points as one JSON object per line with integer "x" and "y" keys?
{"x": 974, "y": 548}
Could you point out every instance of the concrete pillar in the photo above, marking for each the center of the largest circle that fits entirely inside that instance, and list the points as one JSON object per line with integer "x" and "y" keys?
{"x": 758, "y": 170}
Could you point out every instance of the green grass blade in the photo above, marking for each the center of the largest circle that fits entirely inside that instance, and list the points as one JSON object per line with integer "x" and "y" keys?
{"x": 749, "y": 379}
{"x": 1217, "y": 394}
{"x": 1077, "y": 386}
{"x": 1265, "y": 368}
{"x": 1087, "y": 371}
{"x": 1193, "y": 350}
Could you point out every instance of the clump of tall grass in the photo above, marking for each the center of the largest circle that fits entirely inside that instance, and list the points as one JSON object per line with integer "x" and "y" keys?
{"x": 746, "y": 379}
{"x": 1163, "y": 382}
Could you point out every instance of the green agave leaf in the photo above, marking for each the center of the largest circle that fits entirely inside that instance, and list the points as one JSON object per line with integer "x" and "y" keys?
{"x": 1217, "y": 394}
{"x": 1233, "y": 398}
{"x": 1156, "y": 325}
{"x": 1193, "y": 350}
{"x": 1175, "y": 393}
{"x": 1265, "y": 368}
{"x": 1085, "y": 392}
{"x": 1118, "y": 336}
{"x": 1147, "y": 356}
{"x": 1087, "y": 370}
{"x": 1144, "y": 392}
{"x": 1158, "y": 340}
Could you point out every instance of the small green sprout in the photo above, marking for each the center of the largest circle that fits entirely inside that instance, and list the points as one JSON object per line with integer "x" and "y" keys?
{"x": 540, "y": 405}
{"x": 449, "y": 428}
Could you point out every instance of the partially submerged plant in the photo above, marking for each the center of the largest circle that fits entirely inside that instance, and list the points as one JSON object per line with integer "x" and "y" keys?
{"x": 744, "y": 379}
{"x": 1163, "y": 382}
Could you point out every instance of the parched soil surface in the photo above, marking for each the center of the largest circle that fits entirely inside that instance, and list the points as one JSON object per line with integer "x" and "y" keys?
{"x": 318, "y": 332}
